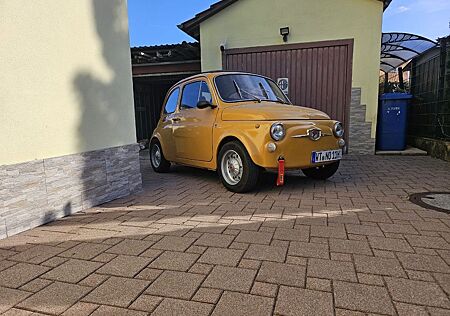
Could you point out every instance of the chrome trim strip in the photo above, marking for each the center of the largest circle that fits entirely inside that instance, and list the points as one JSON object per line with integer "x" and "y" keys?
{"x": 322, "y": 134}
{"x": 301, "y": 136}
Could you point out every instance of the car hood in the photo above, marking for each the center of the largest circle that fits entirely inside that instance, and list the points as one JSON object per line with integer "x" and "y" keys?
{"x": 269, "y": 111}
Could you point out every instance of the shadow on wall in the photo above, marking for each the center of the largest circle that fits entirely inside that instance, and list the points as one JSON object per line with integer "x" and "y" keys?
{"x": 113, "y": 172}
{"x": 98, "y": 118}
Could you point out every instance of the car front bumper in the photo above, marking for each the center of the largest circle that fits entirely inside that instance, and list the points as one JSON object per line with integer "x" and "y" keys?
{"x": 297, "y": 147}
{"x": 299, "y": 155}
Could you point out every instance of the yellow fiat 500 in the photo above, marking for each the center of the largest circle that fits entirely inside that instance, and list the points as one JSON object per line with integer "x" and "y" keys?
{"x": 241, "y": 124}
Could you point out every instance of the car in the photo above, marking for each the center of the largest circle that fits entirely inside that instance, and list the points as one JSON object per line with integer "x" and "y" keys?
{"x": 241, "y": 124}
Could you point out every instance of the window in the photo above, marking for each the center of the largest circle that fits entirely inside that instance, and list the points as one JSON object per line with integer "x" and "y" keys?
{"x": 172, "y": 101}
{"x": 244, "y": 87}
{"x": 205, "y": 94}
{"x": 195, "y": 92}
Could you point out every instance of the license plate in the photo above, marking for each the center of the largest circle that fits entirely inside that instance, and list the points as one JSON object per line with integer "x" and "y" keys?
{"x": 326, "y": 155}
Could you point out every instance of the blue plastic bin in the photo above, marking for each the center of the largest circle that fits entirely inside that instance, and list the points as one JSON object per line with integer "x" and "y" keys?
{"x": 392, "y": 122}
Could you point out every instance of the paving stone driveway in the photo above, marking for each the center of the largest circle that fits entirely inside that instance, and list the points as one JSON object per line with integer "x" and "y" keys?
{"x": 185, "y": 246}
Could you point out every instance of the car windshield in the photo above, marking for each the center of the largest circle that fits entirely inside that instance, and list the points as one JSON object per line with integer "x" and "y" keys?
{"x": 245, "y": 87}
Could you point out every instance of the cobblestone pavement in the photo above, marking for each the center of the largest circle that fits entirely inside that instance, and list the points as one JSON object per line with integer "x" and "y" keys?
{"x": 353, "y": 245}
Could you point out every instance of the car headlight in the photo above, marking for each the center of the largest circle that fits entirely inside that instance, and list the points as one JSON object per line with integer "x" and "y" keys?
{"x": 338, "y": 130}
{"x": 277, "y": 131}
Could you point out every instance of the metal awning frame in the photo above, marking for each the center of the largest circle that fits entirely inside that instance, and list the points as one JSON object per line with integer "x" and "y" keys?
{"x": 393, "y": 44}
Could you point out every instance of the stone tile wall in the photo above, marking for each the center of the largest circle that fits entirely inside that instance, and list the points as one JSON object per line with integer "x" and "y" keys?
{"x": 360, "y": 141}
{"x": 37, "y": 192}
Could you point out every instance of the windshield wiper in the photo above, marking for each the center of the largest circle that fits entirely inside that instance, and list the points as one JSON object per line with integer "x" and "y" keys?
{"x": 280, "y": 100}
{"x": 240, "y": 90}
{"x": 266, "y": 94}
{"x": 264, "y": 91}
{"x": 254, "y": 97}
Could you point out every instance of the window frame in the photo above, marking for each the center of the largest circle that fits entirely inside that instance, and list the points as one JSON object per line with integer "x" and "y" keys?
{"x": 168, "y": 98}
{"x": 245, "y": 100}
{"x": 180, "y": 105}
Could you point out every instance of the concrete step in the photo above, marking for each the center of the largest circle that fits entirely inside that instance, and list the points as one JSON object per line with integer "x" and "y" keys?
{"x": 409, "y": 151}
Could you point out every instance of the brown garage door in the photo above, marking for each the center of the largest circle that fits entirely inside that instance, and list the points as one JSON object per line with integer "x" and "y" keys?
{"x": 320, "y": 74}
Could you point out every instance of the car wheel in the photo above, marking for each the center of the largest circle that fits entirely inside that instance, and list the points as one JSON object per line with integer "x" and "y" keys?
{"x": 159, "y": 163}
{"x": 322, "y": 172}
{"x": 236, "y": 169}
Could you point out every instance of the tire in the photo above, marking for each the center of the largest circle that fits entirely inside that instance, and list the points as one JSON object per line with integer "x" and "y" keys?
{"x": 322, "y": 172}
{"x": 159, "y": 163}
{"x": 232, "y": 155}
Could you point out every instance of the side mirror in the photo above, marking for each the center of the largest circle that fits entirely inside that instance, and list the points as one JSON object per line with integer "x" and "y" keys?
{"x": 205, "y": 104}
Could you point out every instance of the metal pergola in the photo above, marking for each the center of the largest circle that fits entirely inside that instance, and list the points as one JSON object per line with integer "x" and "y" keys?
{"x": 399, "y": 48}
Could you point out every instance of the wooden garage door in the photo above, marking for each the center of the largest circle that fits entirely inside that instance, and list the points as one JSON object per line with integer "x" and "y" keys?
{"x": 320, "y": 74}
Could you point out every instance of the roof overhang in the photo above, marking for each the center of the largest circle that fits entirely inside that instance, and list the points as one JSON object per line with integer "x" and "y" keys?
{"x": 167, "y": 69}
{"x": 171, "y": 53}
{"x": 192, "y": 26}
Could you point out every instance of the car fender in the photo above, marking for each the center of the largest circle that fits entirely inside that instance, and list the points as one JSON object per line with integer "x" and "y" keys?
{"x": 156, "y": 135}
{"x": 245, "y": 140}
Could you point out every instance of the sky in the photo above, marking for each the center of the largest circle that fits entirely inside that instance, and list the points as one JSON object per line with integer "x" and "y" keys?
{"x": 155, "y": 22}
{"x": 429, "y": 18}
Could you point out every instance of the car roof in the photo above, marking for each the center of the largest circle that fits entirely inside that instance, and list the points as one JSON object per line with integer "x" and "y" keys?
{"x": 213, "y": 74}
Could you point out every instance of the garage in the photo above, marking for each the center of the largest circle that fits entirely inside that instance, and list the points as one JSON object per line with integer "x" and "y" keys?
{"x": 324, "y": 53}
{"x": 313, "y": 74}
{"x": 155, "y": 70}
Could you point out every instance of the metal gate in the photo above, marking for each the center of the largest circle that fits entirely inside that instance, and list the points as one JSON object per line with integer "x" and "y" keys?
{"x": 320, "y": 74}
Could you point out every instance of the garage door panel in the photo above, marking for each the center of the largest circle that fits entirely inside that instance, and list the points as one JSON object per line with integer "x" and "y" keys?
{"x": 326, "y": 97}
{"x": 314, "y": 77}
{"x": 319, "y": 79}
{"x": 319, "y": 73}
{"x": 343, "y": 69}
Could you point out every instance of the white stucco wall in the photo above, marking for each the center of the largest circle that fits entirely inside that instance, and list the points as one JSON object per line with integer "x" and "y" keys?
{"x": 65, "y": 78}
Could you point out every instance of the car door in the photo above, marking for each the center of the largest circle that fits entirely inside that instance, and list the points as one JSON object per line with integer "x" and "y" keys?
{"x": 168, "y": 118}
{"x": 193, "y": 132}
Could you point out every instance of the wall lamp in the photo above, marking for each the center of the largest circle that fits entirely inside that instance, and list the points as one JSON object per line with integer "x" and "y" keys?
{"x": 284, "y": 31}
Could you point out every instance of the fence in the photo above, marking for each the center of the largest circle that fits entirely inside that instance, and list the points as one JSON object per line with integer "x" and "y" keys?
{"x": 427, "y": 78}
{"x": 430, "y": 86}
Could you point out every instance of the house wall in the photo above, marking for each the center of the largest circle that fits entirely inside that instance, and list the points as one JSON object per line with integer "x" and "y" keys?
{"x": 67, "y": 129}
{"x": 65, "y": 78}
{"x": 250, "y": 23}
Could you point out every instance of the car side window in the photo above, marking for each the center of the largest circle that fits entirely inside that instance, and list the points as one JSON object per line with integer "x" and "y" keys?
{"x": 195, "y": 92}
{"x": 172, "y": 101}
{"x": 205, "y": 93}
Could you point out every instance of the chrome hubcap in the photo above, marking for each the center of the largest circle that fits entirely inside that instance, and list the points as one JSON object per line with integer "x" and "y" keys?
{"x": 156, "y": 155}
{"x": 232, "y": 167}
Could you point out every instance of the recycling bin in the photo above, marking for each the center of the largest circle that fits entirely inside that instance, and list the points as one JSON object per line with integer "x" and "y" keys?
{"x": 392, "y": 121}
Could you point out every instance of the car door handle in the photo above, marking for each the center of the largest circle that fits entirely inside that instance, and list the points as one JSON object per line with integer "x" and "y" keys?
{"x": 176, "y": 119}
